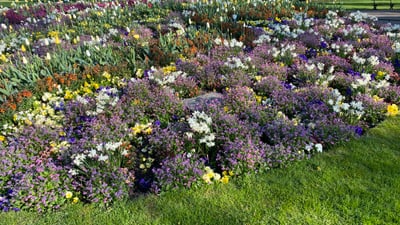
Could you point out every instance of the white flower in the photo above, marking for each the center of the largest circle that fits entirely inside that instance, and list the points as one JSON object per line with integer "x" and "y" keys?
{"x": 112, "y": 146}
{"x": 217, "y": 176}
{"x": 309, "y": 147}
{"x": 87, "y": 52}
{"x": 373, "y": 60}
{"x": 124, "y": 152}
{"x": 345, "y": 106}
{"x": 72, "y": 172}
{"x": 92, "y": 153}
{"x": 318, "y": 147}
{"x": 46, "y": 42}
{"x": 24, "y": 60}
{"x": 189, "y": 135}
{"x": 46, "y": 96}
{"x": 78, "y": 159}
{"x": 103, "y": 157}
{"x": 48, "y": 56}
{"x": 199, "y": 122}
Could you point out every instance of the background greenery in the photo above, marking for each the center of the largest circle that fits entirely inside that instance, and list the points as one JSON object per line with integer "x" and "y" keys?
{"x": 356, "y": 183}
{"x": 361, "y": 4}
{"x": 348, "y": 4}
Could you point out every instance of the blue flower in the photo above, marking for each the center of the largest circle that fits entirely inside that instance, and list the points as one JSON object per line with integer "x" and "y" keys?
{"x": 303, "y": 57}
{"x": 323, "y": 44}
{"x": 358, "y": 130}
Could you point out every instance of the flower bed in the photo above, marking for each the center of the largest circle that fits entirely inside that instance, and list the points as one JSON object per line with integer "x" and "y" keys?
{"x": 103, "y": 101}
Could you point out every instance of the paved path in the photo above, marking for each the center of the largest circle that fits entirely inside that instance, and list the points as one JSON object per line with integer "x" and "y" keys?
{"x": 385, "y": 16}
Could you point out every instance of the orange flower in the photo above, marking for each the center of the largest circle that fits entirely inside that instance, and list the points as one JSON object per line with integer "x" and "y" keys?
{"x": 12, "y": 106}
{"x": 26, "y": 93}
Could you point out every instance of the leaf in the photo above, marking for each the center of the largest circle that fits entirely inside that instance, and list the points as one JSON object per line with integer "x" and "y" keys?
{"x": 5, "y": 92}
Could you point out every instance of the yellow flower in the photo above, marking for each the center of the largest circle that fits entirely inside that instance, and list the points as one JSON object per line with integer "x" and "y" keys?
{"x": 3, "y": 58}
{"x": 148, "y": 130}
{"x": 68, "y": 95}
{"x": 68, "y": 194}
{"x": 23, "y": 49}
{"x": 53, "y": 33}
{"x": 57, "y": 40}
{"x": 75, "y": 200}
{"x": 87, "y": 90}
{"x": 393, "y": 110}
{"x": 136, "y": 36}
{"x": 136, "y": 129}
{"x": 258, "y": 98}
{"x": 225, "y": 179}
{"x": 53, "y": 144}
{"x": 96, "y": 85}
{"x": 28, "y": 122}
{"x": 226, "y": 108}
{"x": 169, "y": 69}
{"x": 2, "y": 138}
{"x": 380, "y": 74}
{"x": 139, "y": 73}
{"x": 377, "y": 98}
{"x": 210, "y": 174}
{"x": 136, "y": 102}
{"x": 106, "y": 75}
{"x": 258, "y": 78}
{"x": 206, "y": 179}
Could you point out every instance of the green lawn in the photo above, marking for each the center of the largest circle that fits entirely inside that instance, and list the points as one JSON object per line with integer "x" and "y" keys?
{"x": 356, "y": 183}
